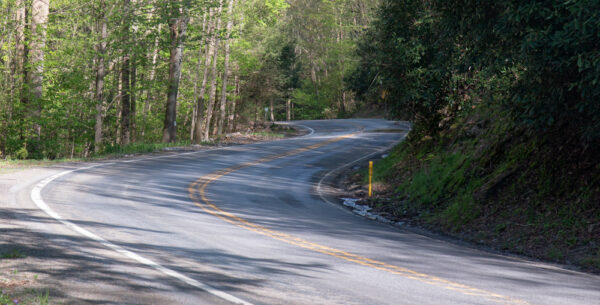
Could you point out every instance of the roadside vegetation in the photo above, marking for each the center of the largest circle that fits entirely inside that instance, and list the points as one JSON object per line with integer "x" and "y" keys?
{"x": 268, "y": 132}
{"x": 13, "y": 288}
{"x": 505, "y": 149}
{"x": 84, "y": 78}
{"x": 27, "y": 297}
{"x": 503, "y": 96}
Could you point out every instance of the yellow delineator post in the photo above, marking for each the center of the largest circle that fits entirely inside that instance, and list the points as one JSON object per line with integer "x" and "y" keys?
{"x": 370, "y": 178}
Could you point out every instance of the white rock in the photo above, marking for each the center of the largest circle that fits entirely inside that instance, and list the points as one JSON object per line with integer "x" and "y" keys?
{"x": 382, "y": 219}
{"x": 360, "y": 212}
{"x": 371, "y": 216}
{"x": 350, "y": 202}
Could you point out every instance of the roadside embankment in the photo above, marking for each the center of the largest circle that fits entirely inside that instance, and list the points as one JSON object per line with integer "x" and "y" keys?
{"x": 488, "y": 181}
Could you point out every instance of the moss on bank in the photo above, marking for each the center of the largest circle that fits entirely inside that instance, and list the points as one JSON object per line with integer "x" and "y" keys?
{"x": 489, "y": 181}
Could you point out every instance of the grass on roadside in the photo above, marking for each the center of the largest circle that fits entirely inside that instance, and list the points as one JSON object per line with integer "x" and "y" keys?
{"x": 12, "y": 254}
{"x": 27, "y": 297}
{"x": 135, "y": 148}
{"x": 267, "y": 134}
{"x": 10, "y": 165}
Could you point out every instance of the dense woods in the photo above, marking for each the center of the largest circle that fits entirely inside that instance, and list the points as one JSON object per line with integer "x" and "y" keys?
{"x": 538, "y": 60}
{"x": 86, "y": 76}
{"x": 504, "y": 96}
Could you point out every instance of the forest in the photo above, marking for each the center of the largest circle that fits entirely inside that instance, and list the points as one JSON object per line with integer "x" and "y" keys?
{"x": 503, "y": 96}
{"x": 83, "y": 77}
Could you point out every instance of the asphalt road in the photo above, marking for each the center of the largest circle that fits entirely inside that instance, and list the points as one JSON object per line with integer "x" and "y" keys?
{"x": 247, "y": 224}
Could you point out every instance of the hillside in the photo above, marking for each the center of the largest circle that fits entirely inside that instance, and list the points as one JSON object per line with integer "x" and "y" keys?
{"x": 503, "y": 97}
{"x": 487, "y": 181}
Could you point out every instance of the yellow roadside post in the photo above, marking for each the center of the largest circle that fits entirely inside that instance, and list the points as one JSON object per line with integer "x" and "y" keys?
{"x": 370, "y": 178}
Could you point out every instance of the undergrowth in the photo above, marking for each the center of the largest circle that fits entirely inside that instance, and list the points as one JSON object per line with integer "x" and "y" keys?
{"x": 492, "y": 182}
{"x": 139, "y": 148}
{"x": 12, "y": 254}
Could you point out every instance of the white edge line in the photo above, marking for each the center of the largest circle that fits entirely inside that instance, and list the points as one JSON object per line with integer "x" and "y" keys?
{"x": 36, "y": 197}
{"x": 312, "y": 131}
{"x": 319, "y": 185}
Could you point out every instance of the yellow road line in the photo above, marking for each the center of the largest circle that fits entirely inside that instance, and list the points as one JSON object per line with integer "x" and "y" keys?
{"x": 198, "y": 187}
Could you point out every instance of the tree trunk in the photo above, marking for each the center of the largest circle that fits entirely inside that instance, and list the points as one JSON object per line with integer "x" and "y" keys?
{"x": 271, "y": 110}
{"x": 23, "y": 42}
{"x": 215, "y": 111}
{"x": 177, "y": 28}
{"x": 209, "y": 48}
{"x": 125, "y": 101}
{"x": 230, "y": 124}
{"x": 151, "y": 82}
{"x": 100, "y": 71}
{"x": 119, "y": 85}
{"x": 39, "y": 18}
{"x": 213, "y": 82}
{"x": 20, "y": 61}
{"x": 288, "y": 109}
{"x": 256, "y": 114}
{"x": 125, "y": 77}
{"x": 226, "y": 67}
{"x": 133, "y": 99}
{"x": 20, "y": 53}
{"x": 196, "y": 79}
{"x": 343, "y": 104}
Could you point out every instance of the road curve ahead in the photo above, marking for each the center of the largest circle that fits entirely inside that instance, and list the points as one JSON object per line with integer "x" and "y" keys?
{"x": 247, "y": 224}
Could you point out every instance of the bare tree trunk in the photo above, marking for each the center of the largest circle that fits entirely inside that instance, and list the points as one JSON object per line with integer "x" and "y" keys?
{"x": 343, "y": 103}
{"x": 196, "y": 79}
{"x": 271, "y": 110}
{"x": 22, "y": 50}
{"x": 133, "y": 99}
{"x": 193, "y": 119}
{"x": 215, "y": 121}
{"x": 231, "y": 119}
{"x": 125, "y": 77}
{"x": 226, "y": 67}
{"x": 213, "y": 82}
{"x": 177, "y": 27}
{"x": 20, "y": 60}
{"x": 288, "y": 109}
{"x": 20, "y": 53}
{"x": 151, "y": 81}
{"x": 100, "y": 71}
{"x": 257, "y": 114}
{"x": 119, "y": 85}
{"x": 39, "y": 18}
{"x": 209, "y": 48}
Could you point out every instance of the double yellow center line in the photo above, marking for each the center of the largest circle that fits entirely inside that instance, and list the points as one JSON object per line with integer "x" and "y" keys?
{"x": 197, "y": 193}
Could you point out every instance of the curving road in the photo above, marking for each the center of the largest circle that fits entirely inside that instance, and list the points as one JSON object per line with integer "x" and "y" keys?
{"x": 248, "y": 224}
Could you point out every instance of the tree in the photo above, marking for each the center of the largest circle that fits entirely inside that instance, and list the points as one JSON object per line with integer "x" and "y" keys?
{"x": 213, "y": 82}
{"x": 290, "y": 68}
{"x": 226, "y": 70}
{"x": 39, "y": 19}
{"x": 126, "y": 76}
{"x": 209, "y": 47}
{"x": 73, "y": 72}
{"x": 101, "y": 28}
{"x": 177, "y": 29}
